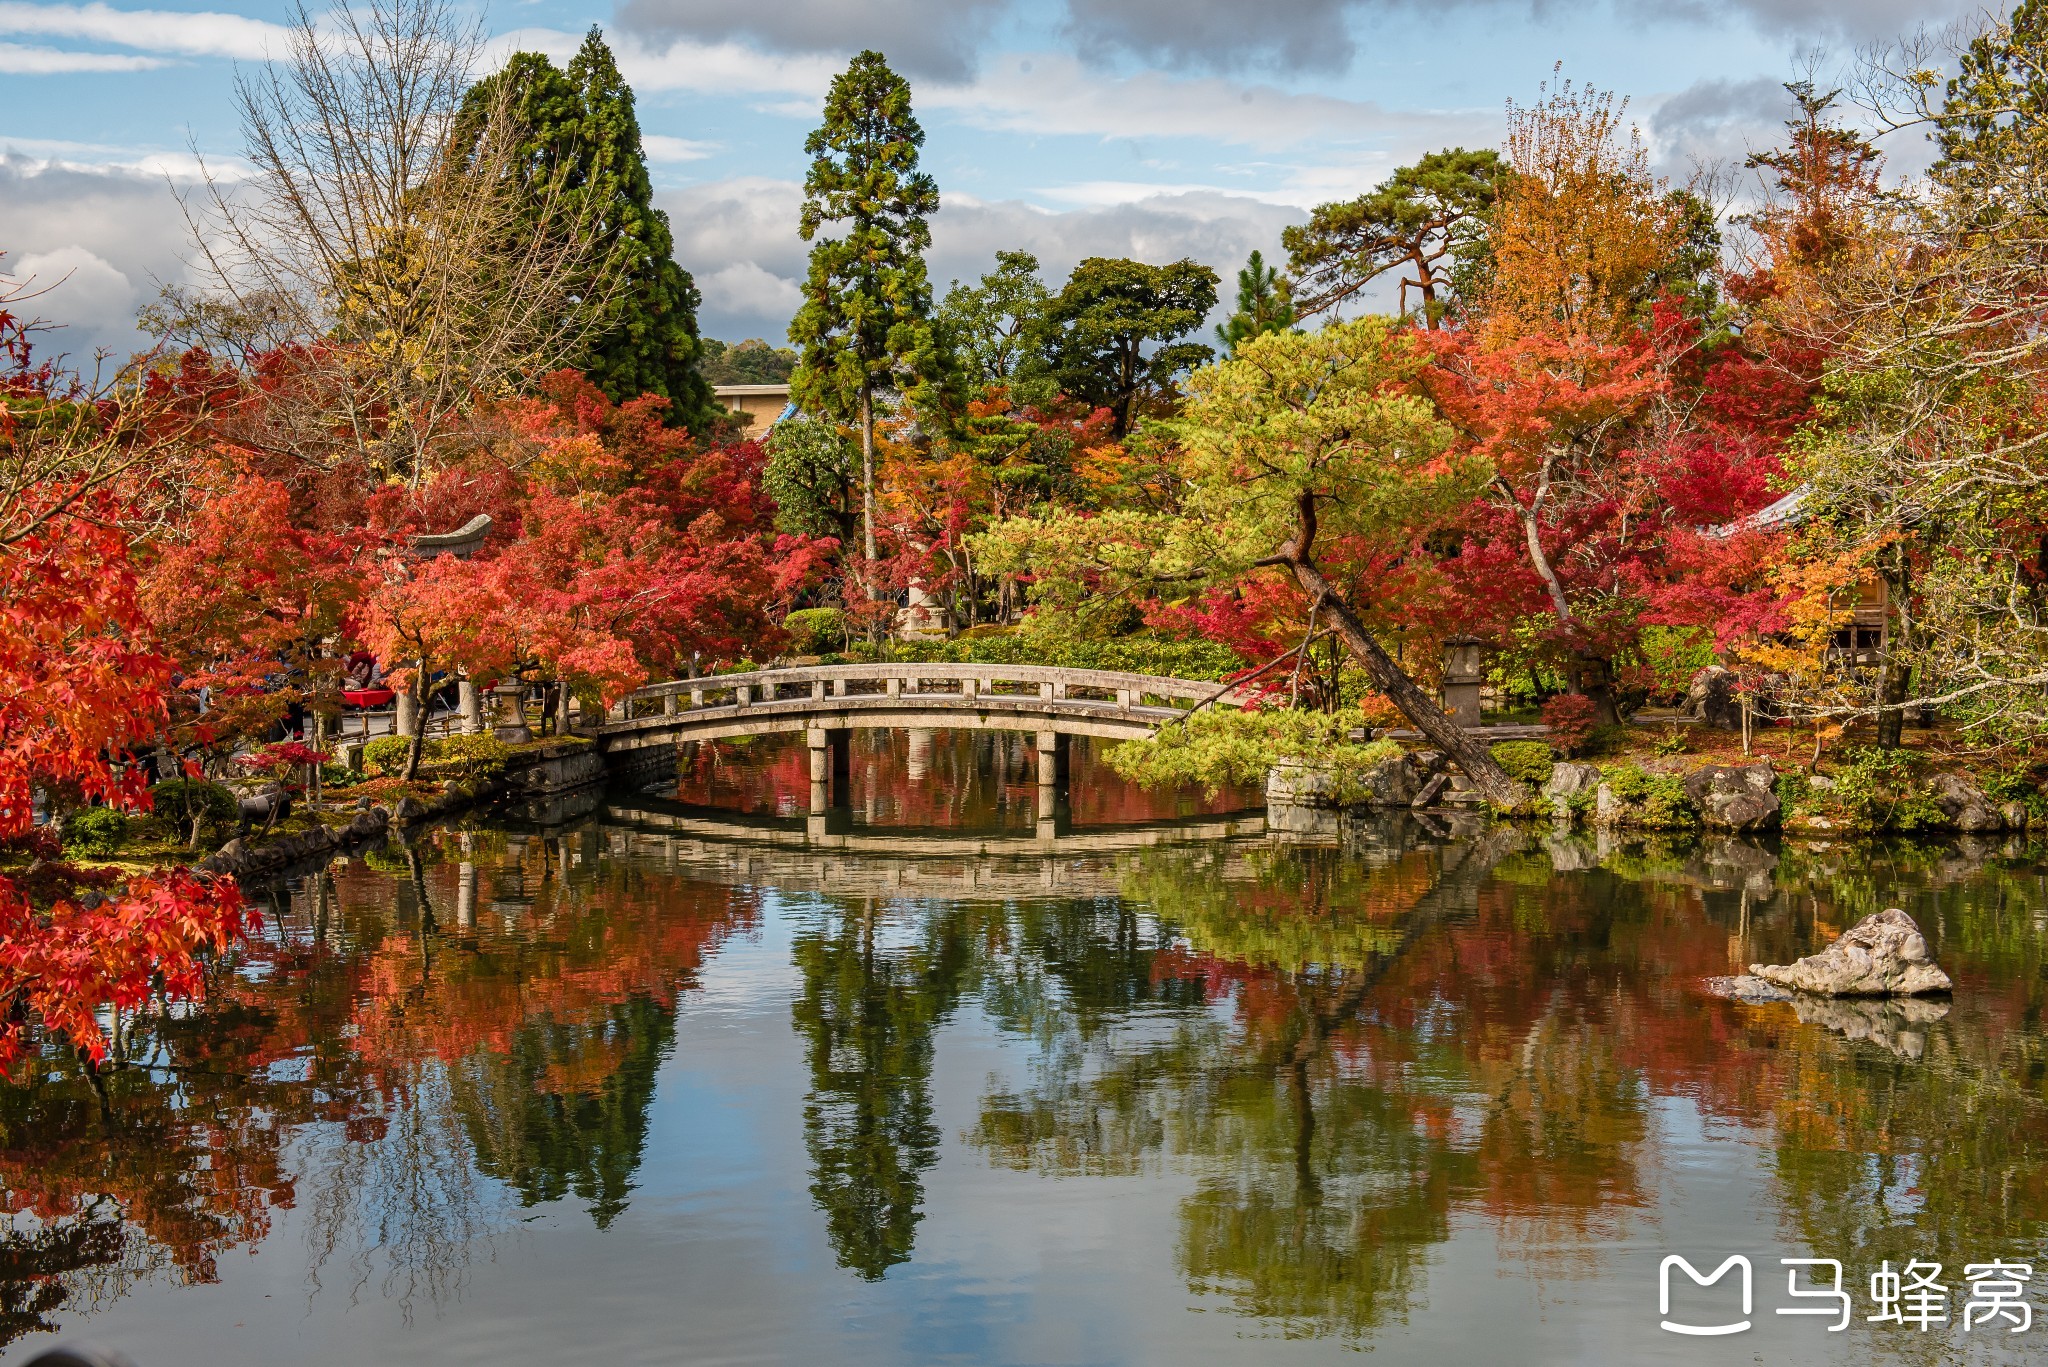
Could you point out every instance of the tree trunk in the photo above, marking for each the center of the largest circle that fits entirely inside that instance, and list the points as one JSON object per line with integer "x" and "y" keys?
{"x": 1425, "y": 284}
{"x": 419, "y": 723}
{"x": 1476, "y": 760}
{"x": 1590, "y": 674}
{"x": 867, "y": 468}
{"x": 1895, "y": 673}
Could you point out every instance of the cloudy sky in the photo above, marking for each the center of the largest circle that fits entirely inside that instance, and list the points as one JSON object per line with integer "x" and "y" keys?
{"x": 1148, "y": 128}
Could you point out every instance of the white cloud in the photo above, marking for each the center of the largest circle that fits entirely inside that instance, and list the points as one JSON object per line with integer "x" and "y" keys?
{"x": 204, "y": 34}
{"x": 738, "y": 238}
{"x": 660, "y": 147}
{"x": 1049, "y": 93}
{"x": 744, "y": 289}
{"x": 85, "y": 291}
{"x": 17, "y": 59}
{"x": 117, "y": 230}
{"x": 1039, "y": 93}
{"x": 156, "y": 163}
{"x": 1105, "y": 193}
{"x": 724, "y": 68}
{"x": 922, "y": 37}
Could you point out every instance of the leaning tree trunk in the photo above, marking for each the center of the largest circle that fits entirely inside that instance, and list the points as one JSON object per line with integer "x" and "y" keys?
{"x": 1475, "y": 759}
{"x": 867, "y": 469}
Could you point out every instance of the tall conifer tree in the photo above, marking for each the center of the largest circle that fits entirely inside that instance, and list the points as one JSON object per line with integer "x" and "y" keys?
{"x": 865, "y": 326}
{"x": 582, "y": 131}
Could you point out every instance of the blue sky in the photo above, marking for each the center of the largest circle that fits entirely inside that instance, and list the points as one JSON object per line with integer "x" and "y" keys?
{"x": 1150, "y": 128}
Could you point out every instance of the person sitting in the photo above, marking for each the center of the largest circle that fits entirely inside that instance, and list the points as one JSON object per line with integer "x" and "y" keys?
{"x": 361, "y": 672}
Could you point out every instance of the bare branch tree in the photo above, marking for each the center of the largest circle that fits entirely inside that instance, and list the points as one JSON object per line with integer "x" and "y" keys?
{"x": 391, "y": 236}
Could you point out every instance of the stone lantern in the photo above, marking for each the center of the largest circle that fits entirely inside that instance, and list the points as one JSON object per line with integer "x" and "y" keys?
{"x": 1464, "y": 673}
{"x": 511, "y": 728}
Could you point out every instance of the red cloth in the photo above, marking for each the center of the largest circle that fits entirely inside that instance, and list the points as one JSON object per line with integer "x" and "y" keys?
{"x": 367, "y": 697}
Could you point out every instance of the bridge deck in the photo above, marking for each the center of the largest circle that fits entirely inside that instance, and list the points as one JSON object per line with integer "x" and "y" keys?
{"x": 1082, "y": 702}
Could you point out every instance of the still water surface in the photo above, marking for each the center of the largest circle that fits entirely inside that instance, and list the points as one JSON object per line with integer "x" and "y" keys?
{"x": 661, "y": 1086}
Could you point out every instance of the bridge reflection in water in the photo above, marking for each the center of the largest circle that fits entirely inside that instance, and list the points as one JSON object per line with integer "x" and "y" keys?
{"x": 754, "y": 851}
{"x": 827, "y": 703}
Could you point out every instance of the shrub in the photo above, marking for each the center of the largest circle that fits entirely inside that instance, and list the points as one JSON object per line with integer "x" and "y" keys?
{"x": 95, "y": 832}
{"x": 1221, "y": 746}
{"x": 1573, "y": 720}
{"x": 813, "y": 631}
{"x": 1882, "y": 790}
{"x": 1654, "y": 801}
{"x": 193, "y": 806}
{"x": 2020, "y": 783}
{"x": 1379, "y": 712}
{"x": 461, "y": 758}
{"x": 1528, "y": 761}
{"x": 386, "y": 755}
{"x": 282, "y": 761}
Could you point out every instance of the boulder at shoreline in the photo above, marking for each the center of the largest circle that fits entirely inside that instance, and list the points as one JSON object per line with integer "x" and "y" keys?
{"x": 1882, "y": 955}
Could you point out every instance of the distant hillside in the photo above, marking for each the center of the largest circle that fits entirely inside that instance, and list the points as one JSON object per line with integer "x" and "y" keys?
{"x": 749, "y": 362}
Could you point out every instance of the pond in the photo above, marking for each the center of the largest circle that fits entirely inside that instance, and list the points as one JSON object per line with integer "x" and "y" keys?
{"x": 670, "y": 1084}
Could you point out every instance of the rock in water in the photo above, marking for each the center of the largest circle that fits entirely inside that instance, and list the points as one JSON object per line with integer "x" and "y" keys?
{"x": 1747, "y": 988}
{"x": 1882, "y": 955}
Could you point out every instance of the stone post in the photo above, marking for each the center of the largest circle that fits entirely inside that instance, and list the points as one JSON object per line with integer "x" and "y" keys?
{"x": 471, "y": 706}
{"x": 1464, "y": 675}
{"x": 405, "y": 716}
{"x": 511, "y": 726}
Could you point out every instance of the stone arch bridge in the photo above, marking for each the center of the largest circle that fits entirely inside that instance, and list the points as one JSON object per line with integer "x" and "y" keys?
{"x": 829, "y": 702}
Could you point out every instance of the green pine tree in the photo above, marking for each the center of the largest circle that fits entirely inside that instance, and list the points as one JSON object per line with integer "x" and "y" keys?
{"x": 583, "y": 140}
{"x": 1265, "y": 303}
{"x": 1427, "y": 221}
{"x": 1112, "y": 336}
{"x": 865, "y": 326}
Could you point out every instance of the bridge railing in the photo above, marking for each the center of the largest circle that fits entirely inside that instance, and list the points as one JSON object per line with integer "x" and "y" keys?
{"x": 820, "y": 683}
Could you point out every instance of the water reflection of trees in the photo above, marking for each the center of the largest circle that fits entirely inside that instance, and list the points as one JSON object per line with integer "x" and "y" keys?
{"x": 1318, "y": 1187}
{"x": 410, "y": 1048}
{"x": 1413, "y": 1033}
{"x": 868, "y": 1011}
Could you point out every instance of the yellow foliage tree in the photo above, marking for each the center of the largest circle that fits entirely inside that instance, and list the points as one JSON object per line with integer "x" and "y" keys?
{"x": 1583, "y": 227}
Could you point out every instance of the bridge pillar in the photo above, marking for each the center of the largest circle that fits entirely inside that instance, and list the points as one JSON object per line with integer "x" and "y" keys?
{"x": 831, "y": 767}
{"x": 1053, "y": 756}
{"x": 1054, "y": 750}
